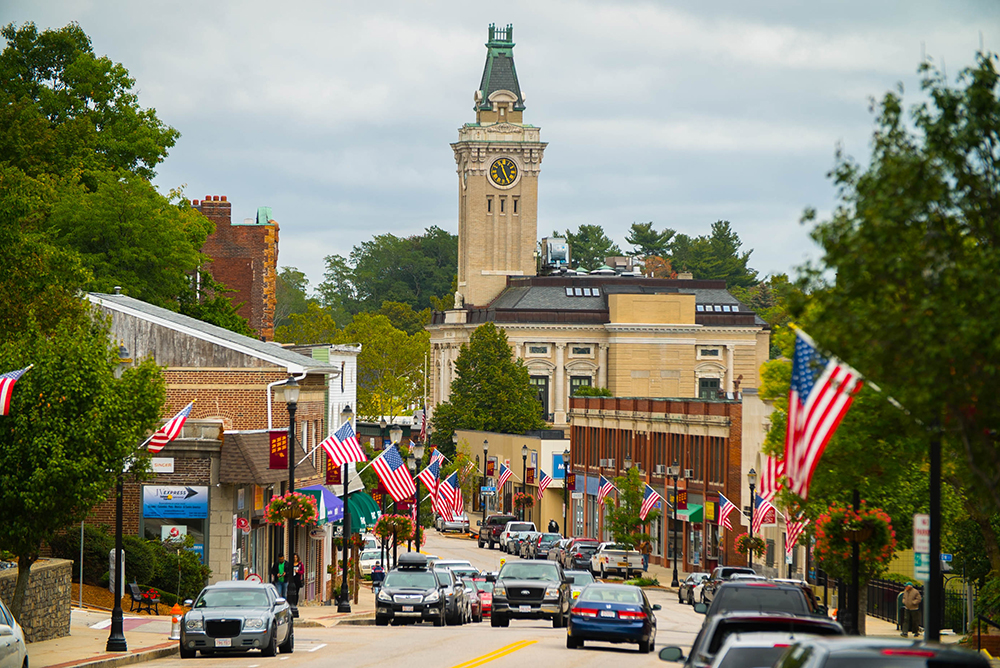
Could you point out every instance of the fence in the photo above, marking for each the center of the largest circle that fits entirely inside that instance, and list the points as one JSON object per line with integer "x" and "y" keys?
{"x": 883, "y": 597}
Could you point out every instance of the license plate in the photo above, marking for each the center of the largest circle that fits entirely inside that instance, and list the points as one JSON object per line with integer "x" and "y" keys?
{"x": 623, "y": 564}
{"x": 407, "y": 608}
{"x": 524, "y": 608}
{"x": 608, "y": 613}
{"x": 223, "y": 642}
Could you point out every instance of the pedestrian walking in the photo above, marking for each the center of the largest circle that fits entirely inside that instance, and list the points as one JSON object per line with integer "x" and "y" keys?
{"x": 553, "y": 526}
{"x": 645, "y": 548}
{"x": 280, "y": 575}
{"x": 911, "y": 610}
{"x": 298, "y": 577}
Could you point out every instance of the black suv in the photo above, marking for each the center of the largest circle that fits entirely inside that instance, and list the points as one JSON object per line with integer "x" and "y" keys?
{"x": 754, "y": 596}
{"x": 410, "y": 593}
{"x": 718, "y": 576}
{"x": 531, "y": 590}
{"x": 489, "y": 531}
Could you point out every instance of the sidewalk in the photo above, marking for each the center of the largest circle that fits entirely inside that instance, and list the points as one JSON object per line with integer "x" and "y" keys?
{"x": 147, "y": 636}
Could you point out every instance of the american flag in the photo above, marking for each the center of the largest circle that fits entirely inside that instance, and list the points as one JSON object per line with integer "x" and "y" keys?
{"x": 820, "y": 394}
{"x": 763, "y": 513}
{"x": 423, "y": 425}
{"x": 342, "y": 446}
{"x": 505, "y": 474}
{"x": 725, "y": 507}
{"x": 795, "y": 529}
{"x": 391, "y": 470}
{"x": 7, "y": 381}
{"x": 444, "y": 500}
{"x": 468, "y": 467}
{"x": 605, "y": 488}
{"x": 429, "y": 476}
{"x": 170, "y": 430}
{"x": 543, "y": 482}
{"x": 457, "y": 498}
{"x": 437, "y": 456}
{"x": 649, "y": 499}
{"x": 770, "y": 481}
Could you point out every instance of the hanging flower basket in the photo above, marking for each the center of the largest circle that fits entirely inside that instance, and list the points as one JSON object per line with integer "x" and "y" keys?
{"x": 293, "y": 506}
{"x": 524, "y": 500}
{"x": 389, "y": 525}
{"x": 841, "y": 527}
{"x": 744, "y": 544}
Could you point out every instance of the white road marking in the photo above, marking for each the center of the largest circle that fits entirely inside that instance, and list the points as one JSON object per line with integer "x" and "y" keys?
{"x": 284, "y": 658}
{"x": 318, "y": 647}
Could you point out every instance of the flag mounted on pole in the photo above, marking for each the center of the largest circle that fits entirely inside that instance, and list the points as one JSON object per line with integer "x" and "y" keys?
{"x": 770, "y": 481}
{"x": 437, "y": 456}
{"x": 391, "y": 470}
{"x": 725, "y": 507}
{"x": 604, "y": 489}
{"x": 650, "y": 498}
{"x": 763, "y": 513}
{"x": 444, "y": 500}
{"x": 795, "y": 529}
{"x": 7, "y": 381}
{"x": 543, "y": 482}
{"x": 429, "y": 476}
{"x": 505, "y": 474}
{"x": 170, "y": 430}
{"x": 342, "y": 446}
{"x": 819, "y": 396}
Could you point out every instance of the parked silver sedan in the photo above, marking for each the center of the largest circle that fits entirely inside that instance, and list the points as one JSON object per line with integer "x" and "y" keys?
{"x": 458, "y": 523}
{"x": 235, "y": 617}
{"x": 13, "y": 649}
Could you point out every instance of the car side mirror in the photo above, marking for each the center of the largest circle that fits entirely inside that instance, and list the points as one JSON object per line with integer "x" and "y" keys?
{"x": 6, "y": 630}
{"x": 657, "y": 606}
{"x": 188, "y": 602}
{"x": 822, "y": 610}
{"x": 671, "y": 654}
{"x": 700, "y": 608}
{"x": 280, "y": 601}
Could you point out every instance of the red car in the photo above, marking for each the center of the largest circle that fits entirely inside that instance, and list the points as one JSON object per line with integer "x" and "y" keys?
{"x": 485, "y": 589}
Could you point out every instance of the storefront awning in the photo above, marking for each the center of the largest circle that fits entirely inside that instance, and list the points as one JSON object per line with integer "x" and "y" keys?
{"x": 331, "y": 508}
{"x": 364, "y": 512}
{"x": 695, "y": 512}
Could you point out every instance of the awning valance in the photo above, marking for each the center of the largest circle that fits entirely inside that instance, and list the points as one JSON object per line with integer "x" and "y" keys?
{"x": 695, "y": 512}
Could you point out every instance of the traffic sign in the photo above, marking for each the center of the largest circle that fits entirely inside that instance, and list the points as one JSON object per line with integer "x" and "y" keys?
{"x": 922, "y": 533}
{"x": 945, "y": 557}
{"x": 921, "y": 566}
{"x": 488, "y": 489}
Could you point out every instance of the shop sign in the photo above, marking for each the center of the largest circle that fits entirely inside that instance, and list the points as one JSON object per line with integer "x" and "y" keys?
{"x": 175, "y": 502}
{"x": 162, "y": 464}
{"x": 279, "y": 450}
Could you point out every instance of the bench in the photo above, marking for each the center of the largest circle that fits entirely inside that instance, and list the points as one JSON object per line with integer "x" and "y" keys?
{"x": 141, "y": 602}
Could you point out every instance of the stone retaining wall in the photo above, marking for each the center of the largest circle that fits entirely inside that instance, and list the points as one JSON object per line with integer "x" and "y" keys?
{"x": 46, "y": 609}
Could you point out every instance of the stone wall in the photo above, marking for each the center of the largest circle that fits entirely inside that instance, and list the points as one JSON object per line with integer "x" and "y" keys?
{"x": 46, "y": 609}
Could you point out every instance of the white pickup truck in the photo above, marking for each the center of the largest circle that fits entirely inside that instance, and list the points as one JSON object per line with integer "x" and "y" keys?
{"x": 610, "y": 558}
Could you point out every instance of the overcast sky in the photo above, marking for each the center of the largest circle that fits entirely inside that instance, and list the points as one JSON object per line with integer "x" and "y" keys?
{"x": 339, "y": 115}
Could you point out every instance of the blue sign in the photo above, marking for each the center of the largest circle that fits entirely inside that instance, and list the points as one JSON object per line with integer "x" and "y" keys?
{"x": 558, "y": 467}
{"x": 487, "y": 489}
{"x": 175, "y": 502}
{"x": 945, "y": 557}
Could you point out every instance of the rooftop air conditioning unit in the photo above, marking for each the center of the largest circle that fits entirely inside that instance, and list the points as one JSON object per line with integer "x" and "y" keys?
{"x": 604, "y": 463}
{"x": 688, "y": 473}
{"x": 660, "y": 468}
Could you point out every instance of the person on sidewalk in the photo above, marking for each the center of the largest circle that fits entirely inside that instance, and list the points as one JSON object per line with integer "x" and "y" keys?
{"x": 298, "y": 576}
{"x": 645, "y": 548}
{"x": 553, "y": 526}
{"x": 911, "y": 613}
{"x": 280, "y": 575}
{"x": 378, "y": 575}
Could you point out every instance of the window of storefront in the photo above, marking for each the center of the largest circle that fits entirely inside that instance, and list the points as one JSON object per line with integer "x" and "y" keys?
{"x": 712, "y": 541}
{"x": 694, "y": 543}
{"x": 770, "y": 553}
{"x": 675, "y": 537}
{"x": 656, "y": 531}
{"x": 541, "y": 385}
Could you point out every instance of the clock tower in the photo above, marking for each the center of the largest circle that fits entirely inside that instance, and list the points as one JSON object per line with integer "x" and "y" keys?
{"x": 499, "y": 158}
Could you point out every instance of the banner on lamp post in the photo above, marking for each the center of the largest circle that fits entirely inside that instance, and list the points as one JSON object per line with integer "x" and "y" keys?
{"x": 529, "y": 476}
{"x": 333, "y": 476}
{"x": 491, "y": 467}
{"x": 571, "y": 482}
{"x": 279, "y": 449}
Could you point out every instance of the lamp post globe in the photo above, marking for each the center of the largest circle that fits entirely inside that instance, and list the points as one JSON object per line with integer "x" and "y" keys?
{"x": 752, "y": 481}
{"x": 116, "y": 636}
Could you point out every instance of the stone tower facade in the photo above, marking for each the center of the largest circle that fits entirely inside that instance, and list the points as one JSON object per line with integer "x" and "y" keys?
{"x": 244, "y": 257}
{"x": 499, "y": 158}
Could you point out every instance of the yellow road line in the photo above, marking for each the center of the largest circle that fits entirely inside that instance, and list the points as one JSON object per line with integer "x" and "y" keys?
{"x": 503, "y": 651}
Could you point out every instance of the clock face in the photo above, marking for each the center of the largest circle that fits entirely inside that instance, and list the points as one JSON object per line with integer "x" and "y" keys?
{"x": 503, "y": 171}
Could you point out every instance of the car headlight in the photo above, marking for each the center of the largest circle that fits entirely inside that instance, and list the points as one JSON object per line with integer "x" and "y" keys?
{"x": 194, "y": 625}
{"x": 552, "y": 592}
{"x": 384, "y": 596}
{"x": 432, "y": 597}
{"x": 254, "y": 624}
{"x": 499, "y": 590}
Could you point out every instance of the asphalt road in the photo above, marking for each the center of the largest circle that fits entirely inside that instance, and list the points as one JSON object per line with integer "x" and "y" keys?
{"x": 523, "y": 643}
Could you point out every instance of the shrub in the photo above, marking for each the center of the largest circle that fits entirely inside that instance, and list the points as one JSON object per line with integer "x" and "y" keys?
{"x": 142, "y": 563}
{"x": 173, "y": 558}
{"x": 97, "y": 546}
{"x": 588, "y": 391}
{"x": 644, "y": 582}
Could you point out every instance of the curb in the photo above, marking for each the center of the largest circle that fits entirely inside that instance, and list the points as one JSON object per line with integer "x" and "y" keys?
{"x": 112, "y": 660}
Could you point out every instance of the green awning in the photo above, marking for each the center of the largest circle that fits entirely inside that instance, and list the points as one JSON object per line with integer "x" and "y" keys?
{"x": 364, "y": 512}
{"x": 695, "y": 512}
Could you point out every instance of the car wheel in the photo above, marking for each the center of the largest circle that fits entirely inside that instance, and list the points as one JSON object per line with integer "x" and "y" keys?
{"x": 381, "y": 621}
{"x": 187, "y": 653}
{"x": 496, "y": 621}
{"x": 557, "y": 621}
{"x": 272, "y": 645}
{"x": 491, "y": 544}
{"x": 644, "y": 647}
{"x": 690, "y": 600}
{"x": 288, "y": 646}
{"x": 571, "y": 642}
{"x": 481, "y": 543}
{"x": 479, "y": 617}
{"x": 602, "y": 572}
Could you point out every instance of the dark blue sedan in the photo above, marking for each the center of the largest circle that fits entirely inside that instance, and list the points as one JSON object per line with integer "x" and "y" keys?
{"x": 612, "y": 613}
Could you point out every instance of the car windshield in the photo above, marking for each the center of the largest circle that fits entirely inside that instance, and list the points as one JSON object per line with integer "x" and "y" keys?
{"x": 751, "y": 657}
{"x": 443, "y": 578}
{"x": 412, "y": 579}
{"x": 520, "y": 526}
{"x": 483, "y": 585}
{"x": 232, "y": 598}
{"x": 464, "y": 572}
{"x": 730, "y": 572}
{"x": 540, "y": 571}
{"x": 784, "y": 625}
{"x": 581, "y": 578}
{"x": 549, "y": 538}
{"x": 585, "y": 548}
{"x": 761, "y": 599}
{"x": 612, "y": 595}
{"x": 368, "y": 555}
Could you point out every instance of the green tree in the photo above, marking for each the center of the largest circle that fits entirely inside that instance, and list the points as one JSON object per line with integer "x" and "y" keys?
{"x": 648, "y": 242}
{"x": 316, "y": 325}
{"x": 390, "y": 365}
{"x": 210, "y": 303}
{"x": 589, "y": 246}
{"x": 770, "y": 299}
{"x": 62, "y": 108}
{"x": 412, "y": 270}
{"x": 402, "y": 316}
{"x": 491, "y": 391}
{"x": 71, "y": 426}
{"x": 624, "y": 523}
{"x": 905, "y": 290}
{"x": 714, "y": 256}
{"x": 291, "y": 295}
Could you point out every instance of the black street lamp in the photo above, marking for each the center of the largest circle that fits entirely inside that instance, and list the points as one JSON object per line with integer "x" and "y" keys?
{"x": 482, "y": 494}
{"x": 418, "y": 454}
{"x": 344, "y": 604}
{"x": 674, "y": 471}
{"x": 292, "y": 401}
{"x": 486, "y": 464}
{"x": 566, "y": 456}
{"x": 752, "y": 480}
{"x": 116, "y": 638}
{"x": 524, "y": 474}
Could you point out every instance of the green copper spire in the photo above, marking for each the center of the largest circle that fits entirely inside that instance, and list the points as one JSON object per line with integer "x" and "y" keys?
{"x": 499, "y": 73}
